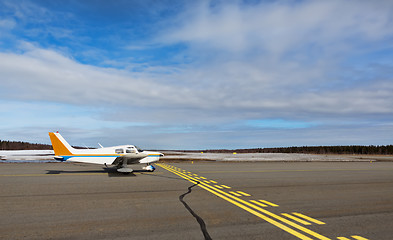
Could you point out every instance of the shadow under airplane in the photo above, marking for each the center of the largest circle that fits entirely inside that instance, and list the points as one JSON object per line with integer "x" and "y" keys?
{"x": 112, "y": 172}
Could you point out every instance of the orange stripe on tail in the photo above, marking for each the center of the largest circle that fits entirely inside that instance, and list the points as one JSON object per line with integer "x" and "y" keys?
{"x": 59, "y": 147}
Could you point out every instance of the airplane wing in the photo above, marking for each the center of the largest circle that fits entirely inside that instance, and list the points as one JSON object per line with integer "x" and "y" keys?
{"x": 128, "y": 160}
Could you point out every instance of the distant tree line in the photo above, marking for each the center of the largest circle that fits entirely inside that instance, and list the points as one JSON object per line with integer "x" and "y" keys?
{"x": 355, "y": 149}
{"x": 12, "y": 145}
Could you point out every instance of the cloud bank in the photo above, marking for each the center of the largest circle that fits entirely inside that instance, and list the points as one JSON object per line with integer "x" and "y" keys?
{"x": 316, "y": 72}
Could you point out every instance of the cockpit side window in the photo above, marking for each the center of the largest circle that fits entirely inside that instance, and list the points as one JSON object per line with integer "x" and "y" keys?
{"x": 130, "y": 150}
{"x": 119, "y": 151}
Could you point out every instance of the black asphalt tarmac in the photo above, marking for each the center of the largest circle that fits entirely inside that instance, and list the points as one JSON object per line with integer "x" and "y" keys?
{"x": 203, "y": 200}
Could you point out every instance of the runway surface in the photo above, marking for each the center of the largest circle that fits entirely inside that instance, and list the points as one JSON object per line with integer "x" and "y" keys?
{"x": 203, "y": 200}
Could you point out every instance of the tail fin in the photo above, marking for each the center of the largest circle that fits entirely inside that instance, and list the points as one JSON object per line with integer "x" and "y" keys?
{"x": 60, "y": 145}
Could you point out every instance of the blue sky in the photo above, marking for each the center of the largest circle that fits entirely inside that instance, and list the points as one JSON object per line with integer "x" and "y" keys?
{"x": 197, "y": 74}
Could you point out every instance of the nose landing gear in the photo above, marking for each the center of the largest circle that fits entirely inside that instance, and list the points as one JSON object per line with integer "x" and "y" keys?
{"x": 149, "y": 168}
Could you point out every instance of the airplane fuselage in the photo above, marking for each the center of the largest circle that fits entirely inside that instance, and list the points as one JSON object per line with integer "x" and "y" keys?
{"x": 108, "y": 154}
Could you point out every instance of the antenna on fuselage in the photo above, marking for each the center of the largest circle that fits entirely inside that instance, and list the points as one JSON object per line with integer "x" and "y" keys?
{"x": 100, "y": 145}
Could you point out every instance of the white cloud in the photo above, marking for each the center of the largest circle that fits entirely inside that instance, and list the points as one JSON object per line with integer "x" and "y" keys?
{"x": 277, "y": 28}
{"x": 7, "y": 24}
{"x": 39, "y": 74}
{"x": 45, "y": 75}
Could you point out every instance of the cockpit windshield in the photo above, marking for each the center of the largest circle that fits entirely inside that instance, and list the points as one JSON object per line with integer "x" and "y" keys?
{"x": 139, "y": 150}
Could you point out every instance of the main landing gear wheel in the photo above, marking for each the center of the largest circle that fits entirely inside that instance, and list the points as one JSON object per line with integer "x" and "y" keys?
{"x": 125, "y": 170}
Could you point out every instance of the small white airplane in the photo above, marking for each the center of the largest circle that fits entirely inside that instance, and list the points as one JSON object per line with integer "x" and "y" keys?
{"x": 119, "y": 156}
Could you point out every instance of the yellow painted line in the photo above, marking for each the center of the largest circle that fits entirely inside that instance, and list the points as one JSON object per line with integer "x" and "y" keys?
{"x": 258, "y": 203}
{"x": 244, "y": 194}
{"x": 236, "y": 194}
{"x": 195, "y": 174}
{"x": 295, "y": 218}
{"x": 300, "y": 170}
{"x": 319, "y": 236}
{"x": 217, "y": 186}
{"x": 197, "y": 178}
{"x": 343, "y": 238}
{"x": 213, "y": 181}
{"x": 225, "y": 186}
{"x": 271, "y": 221}
{"x": 308, "y": 218}
{"x": 359, "y": 238}
{"x": 203, "y": 178}
{"x": 207, "y": 181}
{"x": 245, "y": 204}
{"x": 269, "y": 203}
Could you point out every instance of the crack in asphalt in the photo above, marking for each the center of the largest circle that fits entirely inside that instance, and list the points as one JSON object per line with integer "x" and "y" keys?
{"x": 198, "y": 218}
